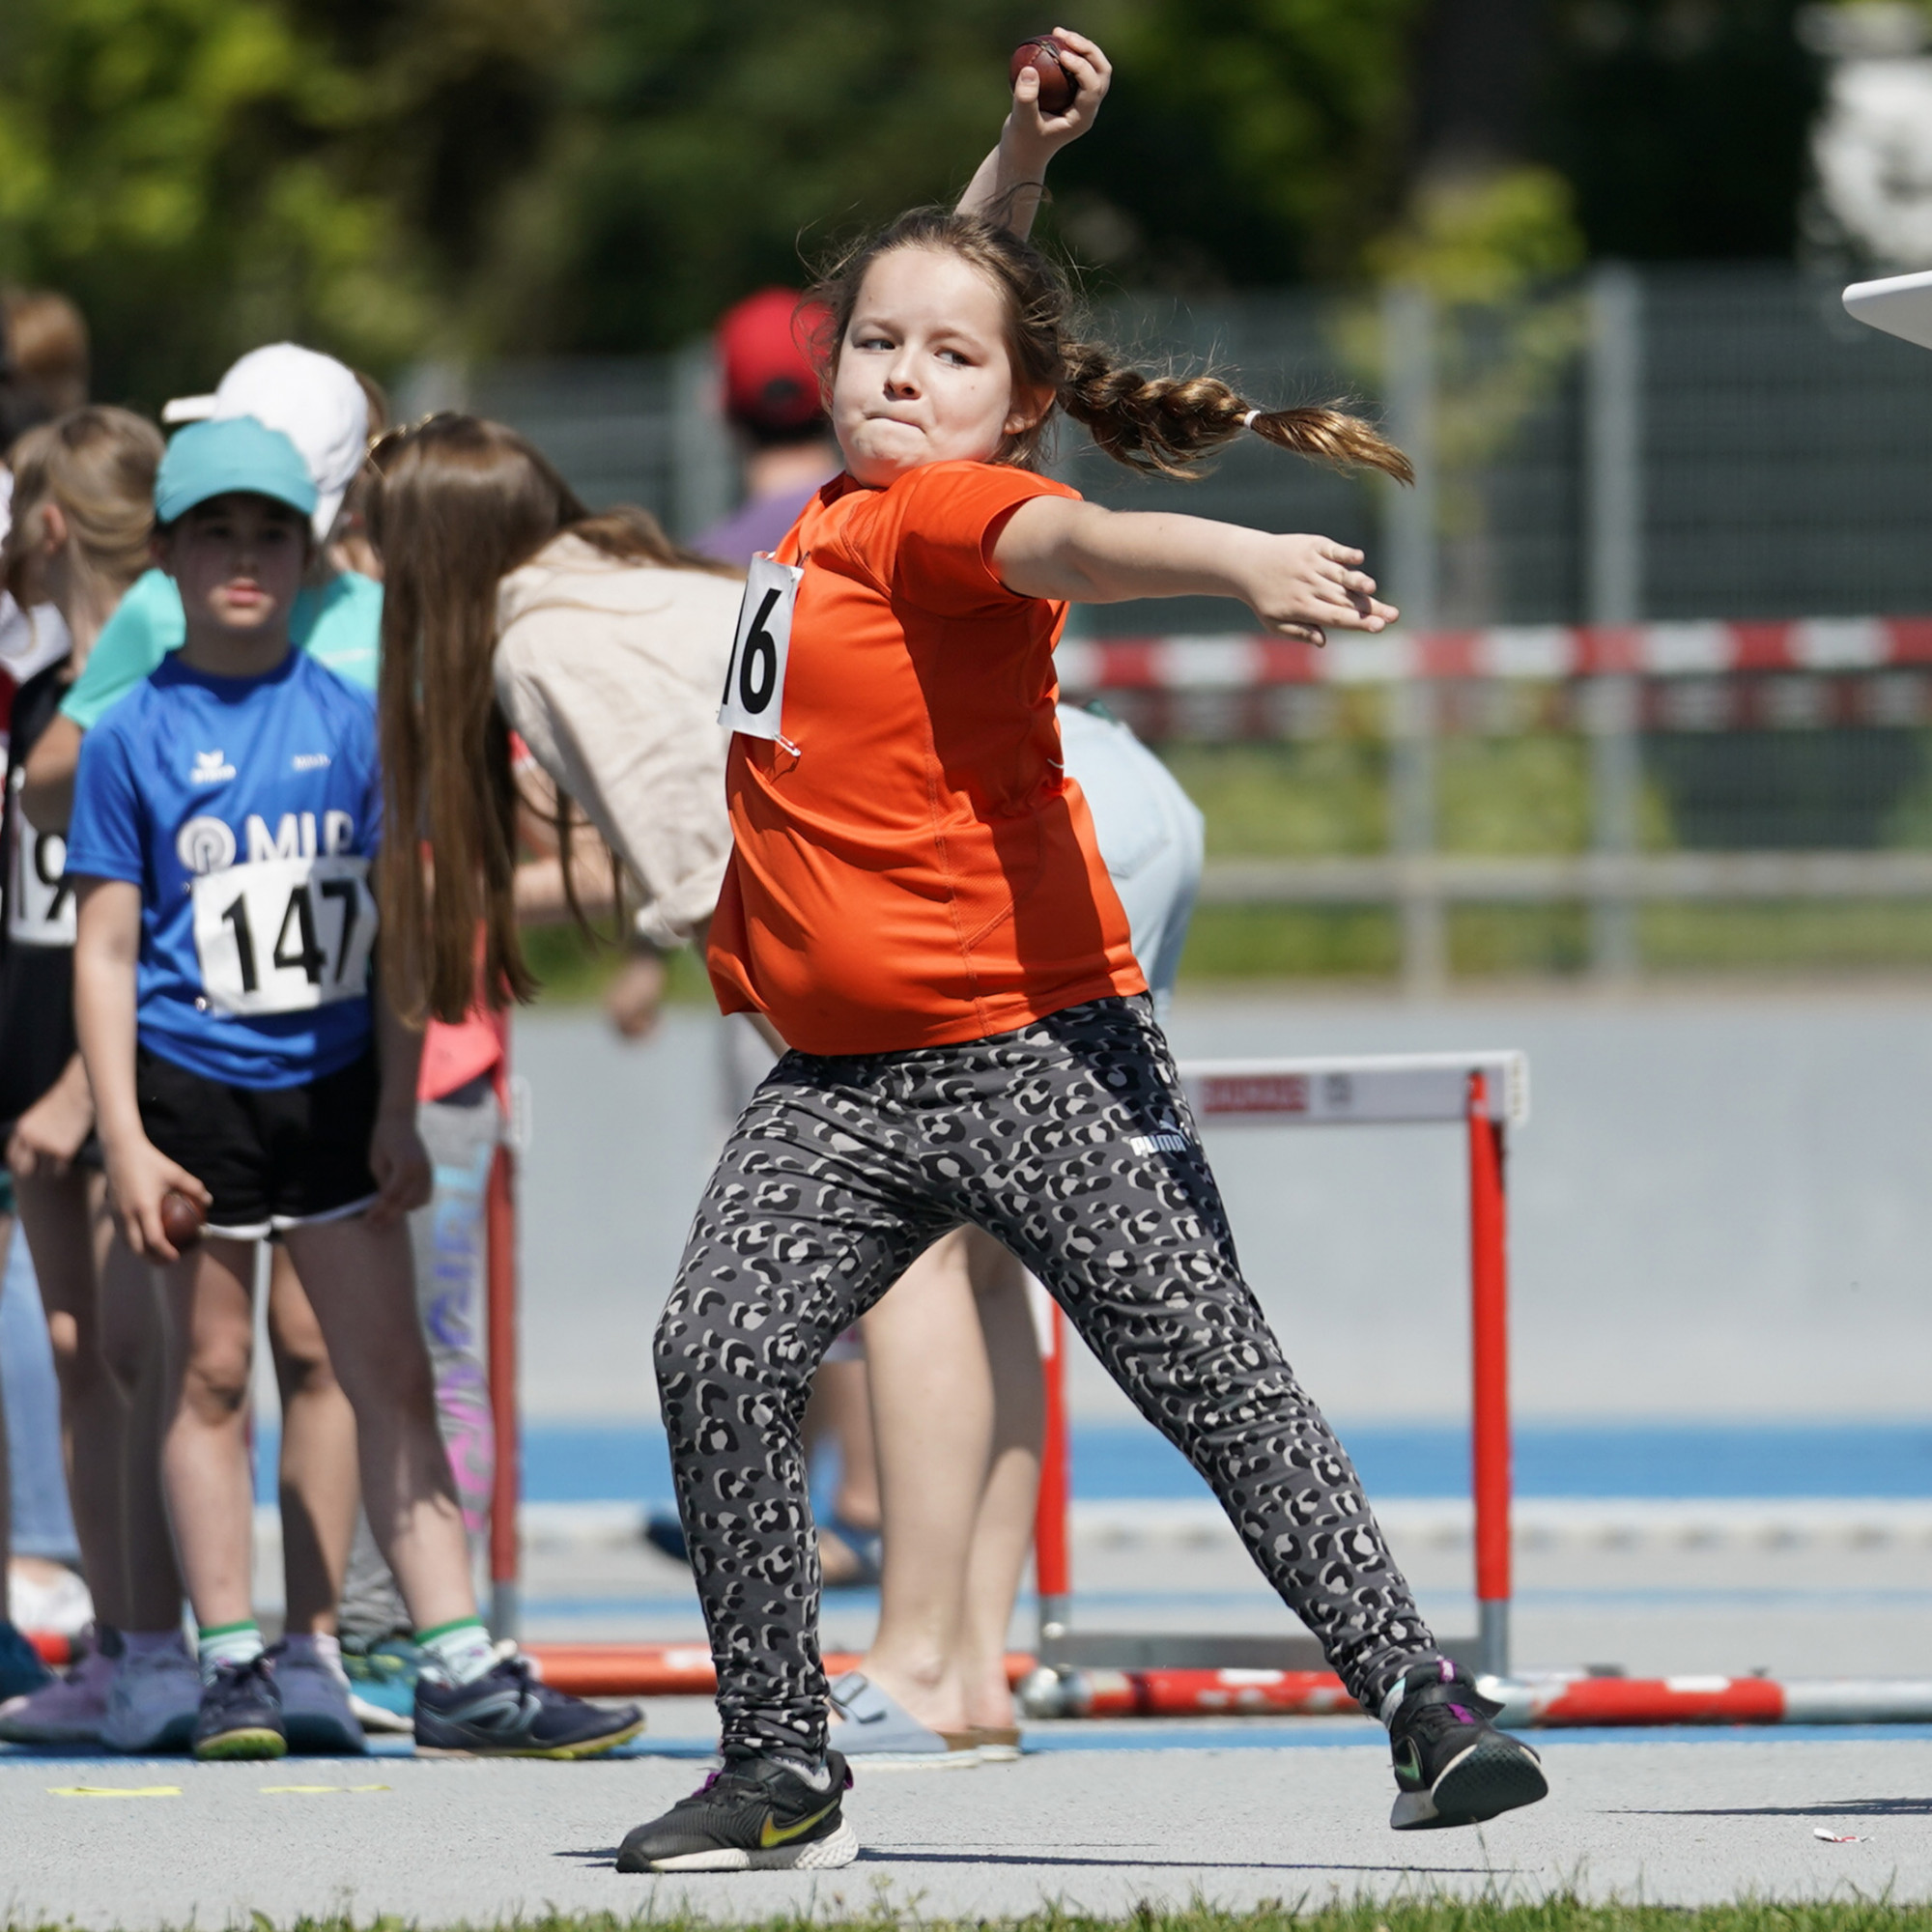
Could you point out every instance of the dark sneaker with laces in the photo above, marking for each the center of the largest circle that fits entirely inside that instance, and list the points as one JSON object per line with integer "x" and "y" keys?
{"x": 1452, "y": 1766}
{"x": 759, "y": 1814}
{"x": 509, "y": 1712}
{"x": 240, "y": 1713}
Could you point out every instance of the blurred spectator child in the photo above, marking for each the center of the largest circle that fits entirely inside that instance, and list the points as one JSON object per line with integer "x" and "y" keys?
{"x": 84, "y": 494}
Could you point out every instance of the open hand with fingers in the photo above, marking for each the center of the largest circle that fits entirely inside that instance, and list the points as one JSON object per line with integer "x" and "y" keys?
{"x": 1300, "y": 586}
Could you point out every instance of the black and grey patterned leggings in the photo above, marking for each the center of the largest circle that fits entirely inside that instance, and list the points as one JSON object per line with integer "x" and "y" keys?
{"x": 1070, "y": 1141}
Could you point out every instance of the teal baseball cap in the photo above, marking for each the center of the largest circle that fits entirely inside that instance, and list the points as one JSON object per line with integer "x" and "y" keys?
{"x": 210, "y": 458}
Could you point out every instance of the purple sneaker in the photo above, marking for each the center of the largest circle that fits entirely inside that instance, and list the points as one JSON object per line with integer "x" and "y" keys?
{"x": 71, "y": 1710}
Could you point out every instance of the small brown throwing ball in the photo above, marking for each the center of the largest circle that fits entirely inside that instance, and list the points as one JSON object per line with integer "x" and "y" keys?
{"x": 1057, "y": 85}
{"x": 180, "y": 1220}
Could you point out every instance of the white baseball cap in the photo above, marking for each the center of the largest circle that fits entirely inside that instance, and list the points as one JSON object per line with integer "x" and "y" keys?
{"x": 314, "y": 400}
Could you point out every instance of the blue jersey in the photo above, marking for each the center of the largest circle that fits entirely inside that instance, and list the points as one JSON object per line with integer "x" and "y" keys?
{"x": 246, "y": 810}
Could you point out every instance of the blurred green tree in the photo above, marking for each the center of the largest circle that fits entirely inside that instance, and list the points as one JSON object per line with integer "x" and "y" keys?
{"x": 394, "y": 178}
{"x": 205, "y": 175}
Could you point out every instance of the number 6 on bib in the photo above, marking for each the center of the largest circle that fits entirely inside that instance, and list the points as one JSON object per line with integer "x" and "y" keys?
{"x": 754, "y": 684}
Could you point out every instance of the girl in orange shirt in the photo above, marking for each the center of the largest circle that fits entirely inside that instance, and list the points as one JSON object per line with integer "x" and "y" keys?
{"x": 917, "y": 903}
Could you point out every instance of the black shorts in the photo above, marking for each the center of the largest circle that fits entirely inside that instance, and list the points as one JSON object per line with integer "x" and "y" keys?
{"x": 272, "y": 1157}
{"x": 35, "y": 1023}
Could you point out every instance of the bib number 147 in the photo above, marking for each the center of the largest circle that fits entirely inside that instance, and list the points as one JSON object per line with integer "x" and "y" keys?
{"x": 283, "y": 935}
{"x": 754, "y": 684}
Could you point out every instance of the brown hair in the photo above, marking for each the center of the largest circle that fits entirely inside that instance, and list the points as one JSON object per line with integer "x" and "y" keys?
{"x": 43, "y": 354}
{"x": 1163, "y": 425}
{"x": 97, "y": 465}
{"x": 460, "y": 504}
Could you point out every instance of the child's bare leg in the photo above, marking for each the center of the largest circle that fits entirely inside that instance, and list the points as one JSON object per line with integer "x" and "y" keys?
{"x": 932, "y": 1414}
{"x": 60, "y": 1215}
{"x": 362, "y": 1289}
{"x": 1002, "y": 1530}
{"x": 209, "y": 1297}
{"x": 135, "y": 1354}
{"x": 319, "y": 1484}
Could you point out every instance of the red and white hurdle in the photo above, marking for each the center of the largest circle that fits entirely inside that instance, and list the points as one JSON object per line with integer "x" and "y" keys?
{"x": 1485, "y": 1094}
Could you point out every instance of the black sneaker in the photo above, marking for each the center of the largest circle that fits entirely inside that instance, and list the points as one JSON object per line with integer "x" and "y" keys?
{"x": 509, "y": 1712}
{"x": 759, "y": 1813}
{"x": 241, "y": 1713}
{"x": 1452, "y": 1766}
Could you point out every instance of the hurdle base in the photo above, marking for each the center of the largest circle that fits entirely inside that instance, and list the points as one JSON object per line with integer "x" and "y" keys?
{"x": 1181, "y": 1650}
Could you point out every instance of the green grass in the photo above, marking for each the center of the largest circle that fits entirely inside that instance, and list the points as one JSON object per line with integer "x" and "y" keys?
{"x": 1560, "y": 1912}
{"x": 575, "y": 968}
{"x": 1495, "y": 795}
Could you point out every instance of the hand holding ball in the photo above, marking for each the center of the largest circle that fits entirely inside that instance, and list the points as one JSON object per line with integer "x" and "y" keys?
{"x": 1057, "y": 85}
{"x": 180, "y": 1220}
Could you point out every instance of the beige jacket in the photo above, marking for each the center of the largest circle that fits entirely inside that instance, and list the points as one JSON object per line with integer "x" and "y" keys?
{"x": 610, "y": 673}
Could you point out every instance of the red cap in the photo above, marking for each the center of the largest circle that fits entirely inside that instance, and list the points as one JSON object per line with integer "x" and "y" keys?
{"x": 770, "y": 382}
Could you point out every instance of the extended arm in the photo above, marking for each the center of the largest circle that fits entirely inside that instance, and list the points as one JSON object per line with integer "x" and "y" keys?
{"x": 106, "y": 946}
{"x": 1008, "y": 184}
{"x": 1059, "y": 548}
{"x": 541, "y": 900}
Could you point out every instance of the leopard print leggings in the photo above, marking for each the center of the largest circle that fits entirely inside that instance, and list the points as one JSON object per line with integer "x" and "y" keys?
{"x": 1070, "y": 1141}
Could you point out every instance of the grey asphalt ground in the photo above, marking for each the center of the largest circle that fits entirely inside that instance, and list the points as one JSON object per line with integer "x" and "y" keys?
{"x": 1677, "y": 1819}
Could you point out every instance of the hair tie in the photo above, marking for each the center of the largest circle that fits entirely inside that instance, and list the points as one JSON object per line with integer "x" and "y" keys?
{"x": 1248, "y": 420}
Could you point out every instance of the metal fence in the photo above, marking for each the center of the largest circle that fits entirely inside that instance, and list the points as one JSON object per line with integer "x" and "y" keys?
{"x": 1666, "y": 446}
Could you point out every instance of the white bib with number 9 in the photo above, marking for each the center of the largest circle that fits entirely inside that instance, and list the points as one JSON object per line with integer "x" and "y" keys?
{"x": 754, "y": 684}
{"x": 282, "y": 934}
{"x": 39, "y": 906}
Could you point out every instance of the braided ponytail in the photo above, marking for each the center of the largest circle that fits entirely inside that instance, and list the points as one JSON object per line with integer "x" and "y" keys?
{"x": 1165, "y": 424}
{"x": 1160, "y": 425}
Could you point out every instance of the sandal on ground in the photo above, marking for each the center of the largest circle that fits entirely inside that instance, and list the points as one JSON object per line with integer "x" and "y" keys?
{"x": 878, "y": 1733}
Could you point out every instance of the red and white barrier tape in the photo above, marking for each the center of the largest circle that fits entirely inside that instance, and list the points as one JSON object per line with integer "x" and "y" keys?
{"x": 1540, "y": 651}
{"x": 1555, "y": 1702}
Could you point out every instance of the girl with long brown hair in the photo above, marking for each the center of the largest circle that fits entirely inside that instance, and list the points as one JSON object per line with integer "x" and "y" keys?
{"x": 916, "y": 901}
{"x": 508, "y": 606}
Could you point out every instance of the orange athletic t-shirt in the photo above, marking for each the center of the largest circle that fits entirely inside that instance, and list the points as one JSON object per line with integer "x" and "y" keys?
{"x": 912, "y": 866}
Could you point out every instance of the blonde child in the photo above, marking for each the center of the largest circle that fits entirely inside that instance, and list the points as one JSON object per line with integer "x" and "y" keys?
{"x": 82, "y": 504}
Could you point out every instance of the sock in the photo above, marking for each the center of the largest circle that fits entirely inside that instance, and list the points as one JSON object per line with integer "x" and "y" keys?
{"x": 459, "y": 1651}
{"x": 1438, "y": 1666}
{"x": 229, "y": 1643}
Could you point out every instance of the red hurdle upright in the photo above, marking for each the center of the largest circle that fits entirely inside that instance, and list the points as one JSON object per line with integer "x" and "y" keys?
{"x": 1484, "y": 1093}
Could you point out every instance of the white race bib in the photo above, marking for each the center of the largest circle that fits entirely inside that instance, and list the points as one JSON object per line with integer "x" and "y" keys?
{"x": 278, "y": 935}
{"x": 754, "y": 684}
{"x": 40, "y": 905}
